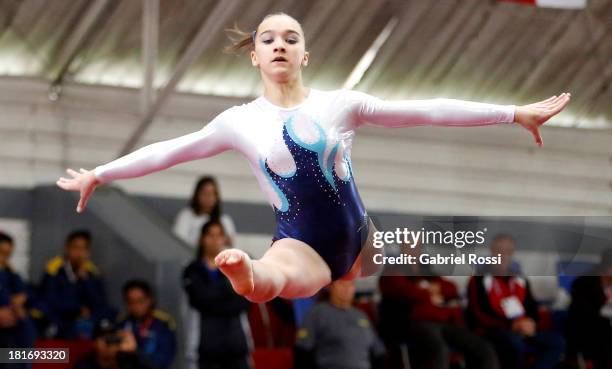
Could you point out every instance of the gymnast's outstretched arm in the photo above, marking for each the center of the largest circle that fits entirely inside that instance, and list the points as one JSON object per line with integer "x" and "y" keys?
{"x": 451, "y": 112}
{"x": 214, "y": 138}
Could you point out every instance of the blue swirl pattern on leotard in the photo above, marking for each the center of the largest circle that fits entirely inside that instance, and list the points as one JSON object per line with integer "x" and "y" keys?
{"x": 318, "y": 207}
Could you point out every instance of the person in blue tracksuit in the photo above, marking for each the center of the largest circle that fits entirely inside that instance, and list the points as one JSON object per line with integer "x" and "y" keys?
{"x": 16, "y": 327}
{"x": 153, "y": 329}
{"x": 71, "y": 290}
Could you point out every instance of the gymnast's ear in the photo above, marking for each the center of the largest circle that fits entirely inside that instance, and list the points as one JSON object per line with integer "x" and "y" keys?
{"x": 305, "y": 59}
{"x": 254, "y": 60}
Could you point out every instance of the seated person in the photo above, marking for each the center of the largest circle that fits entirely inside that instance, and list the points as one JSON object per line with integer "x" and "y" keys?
{"x": 114, "y": 348}
{"x": 16, "y": 327}
{"x": 502, "y": 308}
{"x": 71, "y": 291}
{"x": 590, "y": 315}
{"x": 423, "y": 309}
{"x": 336, "y": 335}
{"x": 154, "y": 330}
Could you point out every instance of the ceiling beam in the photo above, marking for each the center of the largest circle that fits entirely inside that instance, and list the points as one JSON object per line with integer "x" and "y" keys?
{"x": 200, "y": 42}
{"x": 150, "y": 37}
{"x": 408, "y": 20}
{"x": 566, "y": 38}
{"x": 368, "y": 57}
{"x": 81, "y": 32}
{"x": 596, "y": 89}
{"x": 323, "y": 47}
{"x": 355, "y": 30}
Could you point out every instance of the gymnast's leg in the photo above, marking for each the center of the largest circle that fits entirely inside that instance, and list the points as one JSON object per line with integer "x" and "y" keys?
{"x": 290, "y": 268}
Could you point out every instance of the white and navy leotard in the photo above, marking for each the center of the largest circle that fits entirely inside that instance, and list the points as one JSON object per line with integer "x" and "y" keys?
{"x": 301, "y": 158}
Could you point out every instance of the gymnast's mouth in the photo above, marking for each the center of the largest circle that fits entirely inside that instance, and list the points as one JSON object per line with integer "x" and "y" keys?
{"x": 279, "y": 59}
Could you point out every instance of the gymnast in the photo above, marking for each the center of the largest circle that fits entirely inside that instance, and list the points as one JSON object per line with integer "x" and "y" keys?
{"x": 297, "y": 141}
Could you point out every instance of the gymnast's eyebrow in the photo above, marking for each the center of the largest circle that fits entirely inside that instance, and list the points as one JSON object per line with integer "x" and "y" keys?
{"x": 286, "y": 31}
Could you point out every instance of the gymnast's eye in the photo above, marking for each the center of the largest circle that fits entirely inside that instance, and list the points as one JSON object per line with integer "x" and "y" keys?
{"x": 290, "y": 41}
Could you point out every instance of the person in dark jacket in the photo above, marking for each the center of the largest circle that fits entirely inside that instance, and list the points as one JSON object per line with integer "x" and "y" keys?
{"x": 114, "y": 348}
{"x": 502, "y": 308}
{"x": 154, "y": 329}
{"x": 71, "y": 290}
{"x": 590, "y": 315}
{"x": 423, "y": 309}
{"x": 225, "y": 336}
{"x": 16, "y": 327}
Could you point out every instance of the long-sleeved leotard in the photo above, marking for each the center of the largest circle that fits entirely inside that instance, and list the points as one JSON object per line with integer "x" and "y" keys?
{"x": 301, "y": 158}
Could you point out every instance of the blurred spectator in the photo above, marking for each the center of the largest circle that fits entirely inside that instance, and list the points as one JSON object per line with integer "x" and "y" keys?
{"x": 114, "y": 348}
{"x": 501, "y": 307}
{"x": 72, "y": 291}
{"x": 225, "y": 335}
{"x": 205, "y": 204}
{"x": 337, "y": 335}
{"x": 16, "y": 327}
{"x": 153, "y": 329}
{"x": 590, "y": 315}
{"x": 424, "y": 310}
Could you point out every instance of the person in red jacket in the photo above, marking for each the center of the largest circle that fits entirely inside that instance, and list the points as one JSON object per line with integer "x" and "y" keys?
{"x": 502, "y": 308}
{"x": 424, "y": 310}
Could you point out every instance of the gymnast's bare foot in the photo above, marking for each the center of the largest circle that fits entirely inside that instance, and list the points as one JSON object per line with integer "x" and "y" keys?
{"x": 238, "y": 267}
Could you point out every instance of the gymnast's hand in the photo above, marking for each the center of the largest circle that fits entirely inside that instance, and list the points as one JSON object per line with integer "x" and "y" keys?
{"x": 84, "y": 181}
{"x": 532, "y": 116}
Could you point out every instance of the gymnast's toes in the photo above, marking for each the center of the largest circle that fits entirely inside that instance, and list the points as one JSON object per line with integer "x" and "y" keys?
{"x": 236, "y": 265}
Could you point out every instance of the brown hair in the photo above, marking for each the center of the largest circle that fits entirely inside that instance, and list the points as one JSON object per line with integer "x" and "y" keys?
{"x": 240, "y": 39}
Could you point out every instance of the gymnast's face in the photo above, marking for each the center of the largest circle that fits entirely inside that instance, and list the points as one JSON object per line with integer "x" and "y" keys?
{"x": 279, "y": 51}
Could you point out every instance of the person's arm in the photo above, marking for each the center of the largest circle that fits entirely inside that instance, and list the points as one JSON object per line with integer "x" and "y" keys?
{"x": 94, "y": 295}
{"x": 165, "y": 350}
{"x": 531, "y": 305}
{"x": 214, "y": 138}
{"x": 451, "y": 112}
{"x": 432, "y": 112}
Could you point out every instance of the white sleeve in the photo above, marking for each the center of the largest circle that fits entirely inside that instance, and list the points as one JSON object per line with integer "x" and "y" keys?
{"x": 214, "y": 138}
{"x": 228, "y": 224}
{"x": 181, "y": 224}
{"x": 433, "y": 112}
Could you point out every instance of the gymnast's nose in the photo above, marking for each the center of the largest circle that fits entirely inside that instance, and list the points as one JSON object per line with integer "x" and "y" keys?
{"x": 279, "y": 45}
